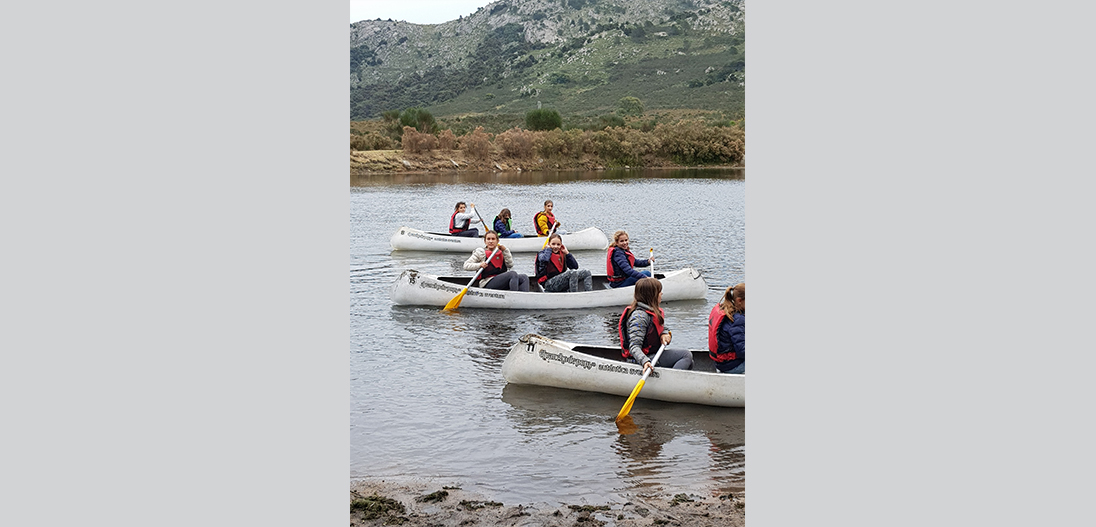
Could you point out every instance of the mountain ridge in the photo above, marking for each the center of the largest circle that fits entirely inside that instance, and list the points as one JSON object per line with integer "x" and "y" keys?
{"x": 577, "y": 56}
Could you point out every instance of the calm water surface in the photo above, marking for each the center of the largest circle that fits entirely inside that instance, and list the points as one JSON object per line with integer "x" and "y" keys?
{"x": 427, "y": 397}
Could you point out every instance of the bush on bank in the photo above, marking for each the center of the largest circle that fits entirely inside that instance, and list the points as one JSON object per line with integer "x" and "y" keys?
{"x": 683, "y": 142}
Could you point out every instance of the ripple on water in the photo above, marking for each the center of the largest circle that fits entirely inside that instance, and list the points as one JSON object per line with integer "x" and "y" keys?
{"x": 426, "y": 394}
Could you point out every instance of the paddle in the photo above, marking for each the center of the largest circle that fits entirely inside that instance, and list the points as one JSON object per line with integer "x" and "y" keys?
{"x": 455, "y": 302}
{"x": 639, "y": 386}
{"x": 549, "y": 235}
{"x": 650, "y": 260}
{"x": 484, "y": 223}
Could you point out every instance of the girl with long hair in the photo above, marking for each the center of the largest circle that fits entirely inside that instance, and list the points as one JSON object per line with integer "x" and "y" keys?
{"x": 504, "y": 226}
{"x": 620, "y": 263}
{"x": 642, "y": 330}
{"x": 497, "y": 272}
{"x": 557, "y": 269}
{"x": 727, "y": 331}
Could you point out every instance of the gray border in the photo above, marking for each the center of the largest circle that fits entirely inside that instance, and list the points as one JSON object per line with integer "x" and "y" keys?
{"x": 916, "y": 224}
{"x": 175, "y": 287}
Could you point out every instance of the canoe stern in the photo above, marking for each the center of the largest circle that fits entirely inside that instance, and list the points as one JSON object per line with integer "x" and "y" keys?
{"x": 547, "y": 362}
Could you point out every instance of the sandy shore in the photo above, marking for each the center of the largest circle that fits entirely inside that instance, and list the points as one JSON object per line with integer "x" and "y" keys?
{"x": 419, "y": 502}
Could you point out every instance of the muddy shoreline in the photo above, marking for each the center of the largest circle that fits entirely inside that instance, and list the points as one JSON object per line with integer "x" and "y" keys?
{"x": 367, "y": 162}
{"x": 422, "y": 502}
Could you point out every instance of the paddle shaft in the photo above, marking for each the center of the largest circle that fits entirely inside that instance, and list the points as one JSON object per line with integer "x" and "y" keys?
{"x": 651, "y": 260}
{"x": 654, "y": 361}
{"x": 475, "y": 276}
{"x": 639, "y": 386}
{"x": 550, "y": 233}
{"x": 484, "y": 223}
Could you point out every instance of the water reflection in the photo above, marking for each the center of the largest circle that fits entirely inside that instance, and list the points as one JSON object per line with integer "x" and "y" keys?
{"x": 708, "y": 442}
{"x": 539, "y": 177}
{"x": 408, "y": 362}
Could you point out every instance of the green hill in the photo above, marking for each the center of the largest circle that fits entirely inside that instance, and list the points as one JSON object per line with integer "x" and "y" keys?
{"x": 579, "y": 57}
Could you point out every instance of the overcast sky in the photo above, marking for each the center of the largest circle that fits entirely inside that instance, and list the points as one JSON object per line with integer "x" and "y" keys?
{"x": 414, "y": 11}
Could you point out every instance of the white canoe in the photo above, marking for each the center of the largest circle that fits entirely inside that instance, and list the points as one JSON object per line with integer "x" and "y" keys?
{"x": 408, "y": 239}
{"x": 413, "y": 288}
{"x": 549, "y": 362}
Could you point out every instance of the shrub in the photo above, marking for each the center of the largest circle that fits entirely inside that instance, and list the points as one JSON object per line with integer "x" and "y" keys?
{"x": 550, "y": 144}
{"x": 419, "y": 119}
{"x": 689, "y": 143}
{"x": 415, "y": 142}
{"x": 625, "y": 146}
{"x": 606, "y": 121}
{"x": 446, "y": 140}
{"x": 543, "y": 119}
{"x": 516, "y": 142}
{"x": 629, "y": 106}
{"x": 559, "y": 143}
{"x": 559, "y": 77}
{"x": 477, "y": 143}
{"x": 371, "y": 141}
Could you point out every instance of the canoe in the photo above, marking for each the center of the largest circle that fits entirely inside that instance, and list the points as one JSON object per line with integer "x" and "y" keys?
{"x": 413, "y": 288}
{"x": 549, "y": 362}
{"x": 408, "y": 239}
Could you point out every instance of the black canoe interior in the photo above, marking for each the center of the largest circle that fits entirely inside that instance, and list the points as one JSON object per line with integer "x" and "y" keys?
{"x": 600, "y": 281}
{"x": 480, "y": 236}
{"x": 701, "y": 360}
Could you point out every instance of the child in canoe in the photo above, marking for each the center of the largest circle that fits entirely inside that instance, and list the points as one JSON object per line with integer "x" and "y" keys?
{"x": 557, "y": 270}
{"x": 544, "y": 220}
{"x": 642, "y": 330}
{"x": 460, "y": 223}
{"x": 620, "y": 263}
{"x": 504, "y": 226}
{"x": 498, "y": 271}
{"x": 727, "y": 331}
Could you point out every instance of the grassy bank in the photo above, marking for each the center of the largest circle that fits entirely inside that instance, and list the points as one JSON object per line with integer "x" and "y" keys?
{"x": 643, "y": 142}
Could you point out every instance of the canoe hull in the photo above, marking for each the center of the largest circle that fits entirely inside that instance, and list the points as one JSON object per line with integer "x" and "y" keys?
{"x": 549, "y": 362}
{"x": 418, "y": 289}
{"x": 408, "y": 239}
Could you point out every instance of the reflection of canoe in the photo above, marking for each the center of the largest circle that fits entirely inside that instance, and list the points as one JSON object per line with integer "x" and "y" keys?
{"x": 415, "y": 288}
{"x": 408, "y": 239}
{"x": 549, "y": 362}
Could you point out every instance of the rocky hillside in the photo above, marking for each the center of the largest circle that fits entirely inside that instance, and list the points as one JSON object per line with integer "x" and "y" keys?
{"x": 577, "y": 56}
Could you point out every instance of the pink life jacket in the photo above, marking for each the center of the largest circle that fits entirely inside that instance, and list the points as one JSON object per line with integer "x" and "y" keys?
{"x": 715, "y": 319}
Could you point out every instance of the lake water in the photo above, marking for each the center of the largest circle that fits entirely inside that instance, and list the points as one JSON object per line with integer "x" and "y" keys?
{"x": 427, "y": 397}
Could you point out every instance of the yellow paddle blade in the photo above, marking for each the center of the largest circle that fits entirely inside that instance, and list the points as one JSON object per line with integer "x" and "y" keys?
{"x": 631, "y": 400}
{"x": 626, "y": 426}
{"x": 455, "y": 302}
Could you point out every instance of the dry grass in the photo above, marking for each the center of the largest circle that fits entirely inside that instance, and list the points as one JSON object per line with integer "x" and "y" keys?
{"x": 701, "y": 140}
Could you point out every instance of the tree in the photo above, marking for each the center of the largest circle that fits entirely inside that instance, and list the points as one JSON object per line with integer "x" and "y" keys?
{"x": 419, "y": 119}
{"x": 630, "y": 106}
{"x": 543, "y": 119}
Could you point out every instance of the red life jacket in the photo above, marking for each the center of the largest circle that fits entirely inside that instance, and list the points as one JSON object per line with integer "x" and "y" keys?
{"x": 536, "y": 224}
{"x": 610, "y": 269}
{"x": 555, "y": 265}
{"x": 715, "y": 319}
{"x": 453, "y": 229}
{"x": 652, "y": 340}
{"x": 495, "y": 266}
